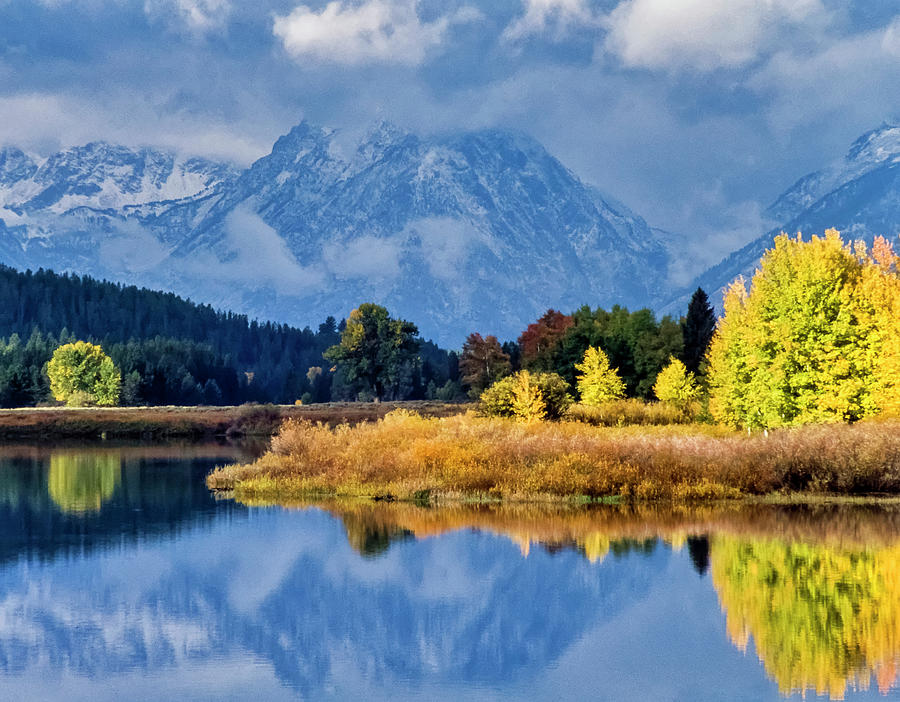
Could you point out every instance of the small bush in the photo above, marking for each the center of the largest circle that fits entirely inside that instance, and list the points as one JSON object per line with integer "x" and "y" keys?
{"x": 499, "y": 399}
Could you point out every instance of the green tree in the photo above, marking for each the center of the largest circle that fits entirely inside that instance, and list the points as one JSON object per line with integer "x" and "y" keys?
{"x": 377, "y": 353}
{"x": 697, "y": 330}
{"x": 676, "y": 385}
{"x": 598, "y": 382}
{"x": 81, "y": 373}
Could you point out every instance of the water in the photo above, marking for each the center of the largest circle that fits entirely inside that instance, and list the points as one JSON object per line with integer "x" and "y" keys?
{"x": 122, "y": 578}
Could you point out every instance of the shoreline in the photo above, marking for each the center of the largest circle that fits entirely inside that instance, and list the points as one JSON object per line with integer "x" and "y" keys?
{"x": 39, "y": 423}
{"x": 409, "y": 458}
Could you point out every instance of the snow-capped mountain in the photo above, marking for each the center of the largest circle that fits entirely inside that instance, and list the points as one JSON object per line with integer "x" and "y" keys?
{"x": 476, "y": 231}
{"x": 101, "y": 176}
{"x": 859, "y": 195}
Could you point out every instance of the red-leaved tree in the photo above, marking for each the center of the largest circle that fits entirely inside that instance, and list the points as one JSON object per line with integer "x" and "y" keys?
{"x": 540, "y": 339}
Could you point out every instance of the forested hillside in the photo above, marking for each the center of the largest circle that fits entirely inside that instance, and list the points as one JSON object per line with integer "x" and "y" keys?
{"x": 169, "y": 350}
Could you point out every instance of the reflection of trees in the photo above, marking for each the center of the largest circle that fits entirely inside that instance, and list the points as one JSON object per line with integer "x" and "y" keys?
{"x": 369, "y": 537}
{"x": 81, "y": 482}
{"x": 821, "y": 618}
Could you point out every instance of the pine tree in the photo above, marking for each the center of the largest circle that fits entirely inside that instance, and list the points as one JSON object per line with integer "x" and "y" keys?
{"x": 697, "y": 330}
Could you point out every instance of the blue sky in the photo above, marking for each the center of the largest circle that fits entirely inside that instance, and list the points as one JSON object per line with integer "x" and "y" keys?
{"x": 696, "y": 113}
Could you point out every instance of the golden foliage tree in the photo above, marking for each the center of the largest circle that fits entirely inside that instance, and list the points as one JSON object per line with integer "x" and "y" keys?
{"x": 82, "y": 374}
{"x": 676, "y": 385}
{"x": 811, "y": 340}
{"x": 597, "y": 382}
{"x": 528, "y": 400}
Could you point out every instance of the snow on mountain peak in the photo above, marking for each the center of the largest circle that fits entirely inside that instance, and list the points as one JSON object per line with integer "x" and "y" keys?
{"x": 872, "y": 150}
{"x": 102, "y": 176}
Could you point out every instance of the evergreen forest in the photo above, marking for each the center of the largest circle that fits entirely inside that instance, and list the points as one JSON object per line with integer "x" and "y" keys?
{"x": 171, "y": 351}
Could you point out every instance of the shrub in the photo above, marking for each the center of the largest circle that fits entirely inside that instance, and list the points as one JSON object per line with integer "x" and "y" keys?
{"x": 499, "y": 399}
{"x": 626, "y": 413}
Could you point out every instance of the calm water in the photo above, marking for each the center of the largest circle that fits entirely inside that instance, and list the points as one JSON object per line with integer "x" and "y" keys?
{"x": 122, "y": 578}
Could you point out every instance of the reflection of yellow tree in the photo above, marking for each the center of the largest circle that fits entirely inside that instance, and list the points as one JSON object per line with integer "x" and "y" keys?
{"x": 821, "y": 618}
{"x": 81, "y": 482}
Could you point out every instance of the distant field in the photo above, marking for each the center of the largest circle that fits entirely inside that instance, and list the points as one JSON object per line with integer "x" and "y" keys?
{"x": 242, "y": 420}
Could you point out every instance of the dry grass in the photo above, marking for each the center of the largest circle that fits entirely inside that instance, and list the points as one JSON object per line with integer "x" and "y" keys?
{"x": 406, "y": 456}
{"x": 629, "y": 412}
{"x": 243, "y": 420}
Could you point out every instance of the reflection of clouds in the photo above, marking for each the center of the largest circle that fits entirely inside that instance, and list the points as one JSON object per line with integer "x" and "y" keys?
{"x": 287, "y": 590}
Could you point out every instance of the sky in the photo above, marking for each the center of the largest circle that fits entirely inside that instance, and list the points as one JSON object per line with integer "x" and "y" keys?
{"x": 695, "y": 113}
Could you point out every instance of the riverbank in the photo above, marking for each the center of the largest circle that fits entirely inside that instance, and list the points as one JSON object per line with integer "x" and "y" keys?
{"x": 193, "y": 422}
{"x": 409, "y": 457}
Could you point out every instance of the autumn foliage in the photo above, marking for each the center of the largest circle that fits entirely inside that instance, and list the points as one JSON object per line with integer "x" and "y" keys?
{"x": 816, "y": 338}
{"x": 539, "y": 340}
{"x": 482, "y": 363}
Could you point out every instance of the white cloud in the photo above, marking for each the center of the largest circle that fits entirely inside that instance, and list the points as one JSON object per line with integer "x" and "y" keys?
{"x": 132, "y": 250}
{"x": 259, "y": 255}
{"x": 806, "y": 88}
{"x": 890, "y": 40}
{"x": 702, "y": 34}
{"x": 364, "y": 257}
{"x": 44, "y": 123}
{"x": 197, "y": 16}
{"x": 542, "y": 16}
{"x": 383, "y": 31}
{"x": 445, "y": 244}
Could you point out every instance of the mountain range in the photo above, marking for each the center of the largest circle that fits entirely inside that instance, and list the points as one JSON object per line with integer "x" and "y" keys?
{"x": 469, "y": 231}
{"x": 474, "y": 231}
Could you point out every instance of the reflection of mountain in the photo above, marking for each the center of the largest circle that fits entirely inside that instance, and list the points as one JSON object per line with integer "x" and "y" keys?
{"x": 394, "y": 597}
{"x": 820, "y": 618}
{"x": 287, "y": 589}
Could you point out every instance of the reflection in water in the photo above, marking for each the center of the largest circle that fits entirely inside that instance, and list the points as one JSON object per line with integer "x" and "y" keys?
{"x": 821, "y": 618}
{"x": 81, "y": 482}
{"x": 129, "y": 575}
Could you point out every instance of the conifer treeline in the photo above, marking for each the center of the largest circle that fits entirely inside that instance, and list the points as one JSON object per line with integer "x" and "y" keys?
{"x": 169, "y": 350}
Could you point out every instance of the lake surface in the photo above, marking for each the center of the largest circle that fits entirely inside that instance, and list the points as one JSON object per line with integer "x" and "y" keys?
{"x": 121, "y": 577}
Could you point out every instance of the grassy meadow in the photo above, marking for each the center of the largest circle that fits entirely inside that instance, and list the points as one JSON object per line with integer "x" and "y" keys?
{"x": 405, "y": 456}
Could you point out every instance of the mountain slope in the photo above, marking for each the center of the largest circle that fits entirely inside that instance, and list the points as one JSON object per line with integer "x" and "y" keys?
{"x": 474, "y": 231}
{"x": 858, "y": 195}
